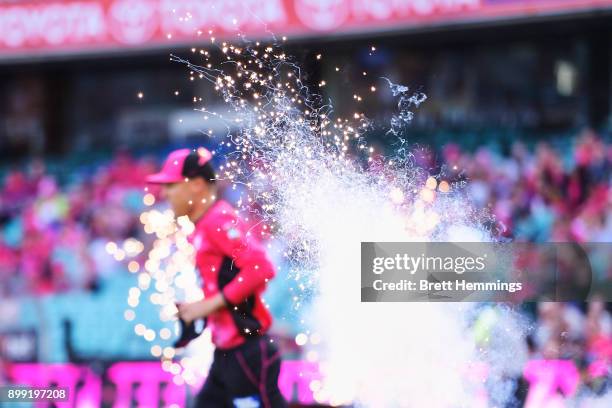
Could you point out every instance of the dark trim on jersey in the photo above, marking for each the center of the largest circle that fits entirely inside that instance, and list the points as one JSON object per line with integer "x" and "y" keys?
{"x": 242, "y": 313}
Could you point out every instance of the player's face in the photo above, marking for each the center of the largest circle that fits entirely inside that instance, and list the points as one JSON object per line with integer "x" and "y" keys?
{"x": 178, "y": 196}
{"x": 183, "y": 196}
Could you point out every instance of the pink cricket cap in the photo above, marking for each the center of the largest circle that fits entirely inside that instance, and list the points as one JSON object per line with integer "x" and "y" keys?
{"x": 182, "y": 164}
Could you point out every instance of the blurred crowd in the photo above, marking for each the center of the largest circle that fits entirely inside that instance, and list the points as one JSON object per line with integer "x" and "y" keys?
{"x": 565, "y": 331}
{"x": 54, "y": 235}
{"x": 546, "y": 195}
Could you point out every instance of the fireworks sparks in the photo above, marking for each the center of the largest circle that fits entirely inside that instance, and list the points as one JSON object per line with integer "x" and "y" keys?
{"x": 169, "y": 274}
{"x": 315, "y": 183}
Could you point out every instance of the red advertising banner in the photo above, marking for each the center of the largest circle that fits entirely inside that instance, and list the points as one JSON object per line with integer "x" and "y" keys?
{"x": 40, "y": 27}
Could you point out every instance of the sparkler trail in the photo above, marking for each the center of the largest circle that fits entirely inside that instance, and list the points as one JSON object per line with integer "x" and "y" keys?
{"x": 405, "y": 104}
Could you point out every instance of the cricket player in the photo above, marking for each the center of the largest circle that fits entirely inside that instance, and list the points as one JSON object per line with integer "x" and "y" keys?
{"x": 234, "y": 270}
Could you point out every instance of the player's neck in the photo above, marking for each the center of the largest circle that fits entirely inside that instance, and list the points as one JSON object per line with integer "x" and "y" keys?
{"x": 201, "y": 207}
